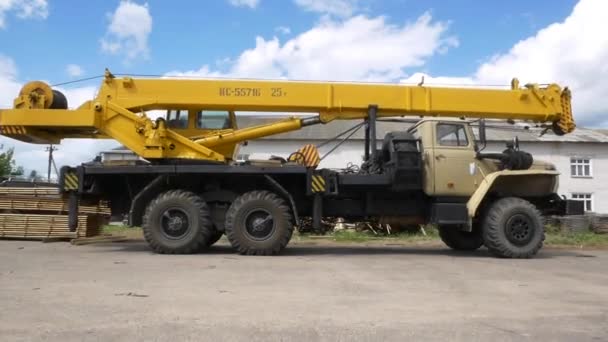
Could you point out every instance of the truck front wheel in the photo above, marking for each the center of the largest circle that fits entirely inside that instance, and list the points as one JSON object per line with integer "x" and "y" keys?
{"x": 259, "y": 223}
{"x": 177, "y": 222}
{"x": 461, "y": 240}
{"x": 513, "y": 228}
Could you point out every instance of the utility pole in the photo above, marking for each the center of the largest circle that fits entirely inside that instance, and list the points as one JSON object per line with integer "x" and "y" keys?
{"x": 50, "y": 150}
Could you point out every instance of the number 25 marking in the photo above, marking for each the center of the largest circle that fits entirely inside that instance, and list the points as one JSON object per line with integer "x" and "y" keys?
{"x": 277, "y": 92}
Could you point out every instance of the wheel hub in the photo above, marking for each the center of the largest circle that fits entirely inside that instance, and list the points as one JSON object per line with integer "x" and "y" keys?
{"x": 259, "y": 225}
{"x": 519, "y": 229}
{"x": 174, "y": 223}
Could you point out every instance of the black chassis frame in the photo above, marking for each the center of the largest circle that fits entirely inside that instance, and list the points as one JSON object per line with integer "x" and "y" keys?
{"x": 130, "y": 188}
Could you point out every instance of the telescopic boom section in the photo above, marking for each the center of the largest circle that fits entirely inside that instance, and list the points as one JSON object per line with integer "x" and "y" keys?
{"x": 40, "y": 114}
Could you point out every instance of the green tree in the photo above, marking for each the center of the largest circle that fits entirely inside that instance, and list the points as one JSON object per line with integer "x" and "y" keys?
{"x": 7, "y": 164}
{"x": 18, "y": 171}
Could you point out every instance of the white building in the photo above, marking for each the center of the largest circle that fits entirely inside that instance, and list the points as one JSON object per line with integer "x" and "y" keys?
{"x": 581, "y": 157}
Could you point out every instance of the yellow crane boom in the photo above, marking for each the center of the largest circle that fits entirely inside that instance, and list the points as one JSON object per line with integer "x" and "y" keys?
{"x": 40, "y": 114}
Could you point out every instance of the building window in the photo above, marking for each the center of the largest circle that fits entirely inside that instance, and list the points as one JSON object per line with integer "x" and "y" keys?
{"x": 580, "y": 167}
{"x": 586, "y": 198}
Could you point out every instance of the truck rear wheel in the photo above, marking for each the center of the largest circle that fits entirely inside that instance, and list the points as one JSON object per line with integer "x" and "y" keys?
{"x": 177, "y": 222}
{"x": 259, "y": 223}
{"x": 461, "y": 240}
{"x": 513, "y": 228}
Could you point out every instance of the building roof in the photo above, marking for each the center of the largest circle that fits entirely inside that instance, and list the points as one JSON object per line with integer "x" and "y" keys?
{"x": 496, "y": 131}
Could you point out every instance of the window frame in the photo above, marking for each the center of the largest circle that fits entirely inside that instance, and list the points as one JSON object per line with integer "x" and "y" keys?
{"x": 464, "y": 131}
{"x": 574, "y": 162}
{"x": 201, "y": 114}
{"x": 582, "y": 196}
{"x": 180, "y": 113}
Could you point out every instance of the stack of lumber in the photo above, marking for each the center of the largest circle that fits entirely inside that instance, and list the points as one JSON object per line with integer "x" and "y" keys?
{"x": 42, "y": 213}
{"x": 599, "y": 224}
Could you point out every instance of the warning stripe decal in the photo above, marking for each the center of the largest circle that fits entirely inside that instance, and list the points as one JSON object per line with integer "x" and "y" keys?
{"x": 12, "y": 130}
{"x": 70, "y": 181}
{"x": 317, "y": 183}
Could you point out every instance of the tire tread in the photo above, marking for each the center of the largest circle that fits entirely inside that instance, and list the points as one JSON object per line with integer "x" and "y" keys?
{"x": 230, "y": 229}
{"x": 495, "y": 241}
{"x": 202, "y": 236}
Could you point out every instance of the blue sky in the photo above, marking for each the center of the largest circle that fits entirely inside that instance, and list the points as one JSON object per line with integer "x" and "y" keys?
{"x": 187, "y": 34}
{"x": 467, "y": 42}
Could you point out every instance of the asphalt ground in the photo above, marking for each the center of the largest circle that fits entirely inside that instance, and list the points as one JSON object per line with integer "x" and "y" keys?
{"x": 123, "y": 292}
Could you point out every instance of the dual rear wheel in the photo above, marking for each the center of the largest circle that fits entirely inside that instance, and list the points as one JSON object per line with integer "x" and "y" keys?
{"x": 179, "y": 222}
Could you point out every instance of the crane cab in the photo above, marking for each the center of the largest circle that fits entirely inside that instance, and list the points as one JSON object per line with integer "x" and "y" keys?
{"x": 200, "y": 123}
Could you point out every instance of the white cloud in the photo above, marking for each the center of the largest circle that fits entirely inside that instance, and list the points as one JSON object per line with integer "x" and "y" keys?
{"x": 23, "y": 9}
{"x": 341, "y": 8}
{"x": 244, "y": 3}
{"x": 282, "y": 30}
{"x": 128, "y": 31}
{"x": 356, "y": 49}
{"x": 74, "y": 70}
{"x": 9, "y": 87}
{"x": 429, "y": 80}
{"x": 572, "y": 53}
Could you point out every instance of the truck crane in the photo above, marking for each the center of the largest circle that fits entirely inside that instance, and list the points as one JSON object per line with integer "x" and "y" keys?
{"x": 191, "y": 191}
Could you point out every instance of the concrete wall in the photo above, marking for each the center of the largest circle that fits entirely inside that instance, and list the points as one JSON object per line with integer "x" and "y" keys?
{"x": 554, "y": 152}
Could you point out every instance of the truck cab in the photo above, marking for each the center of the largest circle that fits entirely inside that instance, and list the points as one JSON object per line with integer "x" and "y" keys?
{"x": 456, "y": 165}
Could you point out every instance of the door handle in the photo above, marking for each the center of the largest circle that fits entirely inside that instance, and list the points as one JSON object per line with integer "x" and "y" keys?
{"x": 439, "y": 156}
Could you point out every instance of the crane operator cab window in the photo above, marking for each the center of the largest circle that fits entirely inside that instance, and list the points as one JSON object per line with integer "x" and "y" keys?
{"x": 452, "y": 135}
{"x": 213, "y": 119}
{"x": 177, "y": 118}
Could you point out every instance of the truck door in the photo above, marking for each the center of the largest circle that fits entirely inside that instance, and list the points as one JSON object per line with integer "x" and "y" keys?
{"x": 454, "y": 160}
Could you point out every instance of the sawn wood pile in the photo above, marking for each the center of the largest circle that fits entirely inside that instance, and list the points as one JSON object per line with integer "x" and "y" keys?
{"x": 41, "y": 213}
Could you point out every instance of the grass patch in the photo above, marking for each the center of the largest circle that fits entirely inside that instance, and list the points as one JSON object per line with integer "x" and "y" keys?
{"x": 553, "y": 238}
{"x": 352, "y": 236}
{"x": 119, "y": 230}
{"x": 579, "y": 239}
